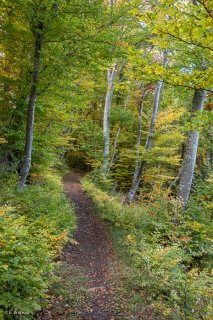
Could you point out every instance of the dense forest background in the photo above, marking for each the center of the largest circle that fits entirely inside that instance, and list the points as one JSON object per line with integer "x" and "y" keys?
{"x": 123, "y": 90}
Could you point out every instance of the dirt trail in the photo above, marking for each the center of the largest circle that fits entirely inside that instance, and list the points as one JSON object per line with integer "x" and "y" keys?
{"x": 93, "y": 256}
{"x": 94, "y": 252}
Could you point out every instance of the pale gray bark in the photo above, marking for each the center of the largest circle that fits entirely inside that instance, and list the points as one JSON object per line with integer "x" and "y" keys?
{"x": 111, "y": 75}
{"x": 190, "y": 155}
{"x": 148, "y": 145}
{"x": 149, "y": 140}
{"x": 140, "y": 114}
{"x": 31, "y": 108}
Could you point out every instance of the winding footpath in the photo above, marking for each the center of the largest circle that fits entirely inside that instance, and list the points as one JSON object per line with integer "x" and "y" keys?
{"x": 94, "y": 257}
{"x": 93, "y": 253}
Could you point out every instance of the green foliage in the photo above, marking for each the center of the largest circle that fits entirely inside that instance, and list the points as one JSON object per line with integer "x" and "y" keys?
{"x": 200, "y": 122}
{"x": 122, "y": 118}
{"x": 123, "y": 170}
{"x": 162, "y": 159}
{"x": 82, "y": 39}
{"x": 62, "y": 61}
{"x": 25, "y": 265}
{"x": 34, "y": 226}
{"x": 170, "y": 262}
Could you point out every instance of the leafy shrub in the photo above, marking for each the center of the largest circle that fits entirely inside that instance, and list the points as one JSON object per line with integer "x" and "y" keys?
{"x": 25, "y": 265}
{"x": 34, "y": 225}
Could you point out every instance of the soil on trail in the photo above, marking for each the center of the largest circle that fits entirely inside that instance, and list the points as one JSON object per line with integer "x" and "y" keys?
{"x": 93, "y": 253}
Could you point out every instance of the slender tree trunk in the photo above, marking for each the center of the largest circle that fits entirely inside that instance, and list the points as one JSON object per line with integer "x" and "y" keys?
{"x": 149, "y": 140}
{"x": 190, "y": 155}
{"x": 140, "y": 114}
{"x": 111, "y": 75}
{"x": 31, "y": 107}
{"x": 148, "y": 145}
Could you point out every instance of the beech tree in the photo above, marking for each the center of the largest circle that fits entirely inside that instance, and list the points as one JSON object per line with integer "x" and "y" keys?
{"x": 190, "y": 153}
{"x": 139, "y": 171}
{"x": 111, "y": 75}
{"x": 38, "y": 32}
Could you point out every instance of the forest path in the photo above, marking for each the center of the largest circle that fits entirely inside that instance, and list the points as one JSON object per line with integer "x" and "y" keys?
{"x": 93, "y": 253}
{"x": 101, "y": 296}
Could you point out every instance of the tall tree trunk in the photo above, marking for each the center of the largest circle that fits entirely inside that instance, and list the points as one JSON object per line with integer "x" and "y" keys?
{"x": 140, "y": 114}
{"x": 148, "y": 145}
{"x": 111, "y": 75}
{"x": 31, "y": 107}
{"x": 149, "y": 140}
{"x": 190, "y": 155}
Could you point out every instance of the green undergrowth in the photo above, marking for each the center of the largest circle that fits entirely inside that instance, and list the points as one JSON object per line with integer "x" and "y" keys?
{"x": 166, "y": 265}
{"x": 34, "y": 226}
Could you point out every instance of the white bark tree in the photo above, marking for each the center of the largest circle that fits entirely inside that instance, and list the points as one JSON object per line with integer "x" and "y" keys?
{"x": 190, "y": 154}
{"x": 140, "y": 114}
{"x": 111, "y": 75}
{"x": 149, "y": 140}
{"x": 38, "y": 33}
